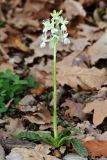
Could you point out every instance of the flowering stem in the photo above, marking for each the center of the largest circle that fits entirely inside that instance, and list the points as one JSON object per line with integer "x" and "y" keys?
{"x": 54, "y": 97}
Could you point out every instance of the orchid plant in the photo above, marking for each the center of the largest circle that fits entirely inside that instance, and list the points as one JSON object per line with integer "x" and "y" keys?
{"x": 55, "y": 31}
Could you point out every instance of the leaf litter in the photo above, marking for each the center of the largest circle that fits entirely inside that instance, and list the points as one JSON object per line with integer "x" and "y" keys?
{"x": 81, "y": 73}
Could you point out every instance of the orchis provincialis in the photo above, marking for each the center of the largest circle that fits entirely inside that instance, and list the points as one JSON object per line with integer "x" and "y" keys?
{"x": 55, "y": 31}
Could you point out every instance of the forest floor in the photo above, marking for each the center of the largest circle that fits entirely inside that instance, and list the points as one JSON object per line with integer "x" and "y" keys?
{"x": 81, "y": 78}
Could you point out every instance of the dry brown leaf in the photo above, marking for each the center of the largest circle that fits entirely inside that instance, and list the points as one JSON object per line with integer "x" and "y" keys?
{"x": 100, "y": 110}
{"x": 41, "y": 116}
{"x": 41, "y": 76}
{"x": 102, "y": 158}
{"x": 3, "y": 134}
{"x": 90, "y": 32}
{"x": 15, "y": 41}
{"x": 21, "y": 21}
{"x": 45, "y": 126}
{"x": 85, "y": 78}
{"x": 75, "y": 109}
{"x": 39, "y": 153}
{"x": 48, "y": 67}
{"x": 33, "y": 6}
{"x": 101, "y": 94}
{"x": 40, "y": 52}
{"x": 2, "y": 16}
{"x": 14, "y": 126}
{"x": 98, "y": 50}
{"x": 2, "y": 153}
{"x": 20, "y": 45}
{"x": 102, "y": 136}
{"x": 17, "y": 59}
{"x": 89, "y": 131}
{"x": 76, "y": 58}
{"x": 73, "y": 8}
{"x": 38, "y": 91}
{"x": 80, "y": 43}
{"x": 96, "y": 148}
{"x": 87, "y": 2}
{"x": 4, "y": 55}
{"x": 26, "y": 104}
{"x": 3, "y": 35}
{"x": 72, "y": 156}
{"x": 4, "y": 66}
{"x": 15, "y": 3}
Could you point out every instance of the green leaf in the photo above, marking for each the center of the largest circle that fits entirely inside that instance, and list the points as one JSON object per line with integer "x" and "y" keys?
{"x": 78, "y": 146}
{"x": 11, "y": 87}
{"x": 2, "y": 105}
{"x": 3, "y": 109}
{"x": 67, "y": 130}
{"x": 64, "y": 140}
{"x": 32, "y": 83}
{"x": 80, "y": 149}
{"x": 37, "y": 136}
{"x": 2, "y": 24}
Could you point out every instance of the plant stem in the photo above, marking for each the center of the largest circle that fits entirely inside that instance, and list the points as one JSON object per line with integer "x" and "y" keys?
{"x": 54, "y": 97}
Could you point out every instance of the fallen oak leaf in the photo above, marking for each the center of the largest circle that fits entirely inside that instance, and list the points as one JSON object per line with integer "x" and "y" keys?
{"x": 14, "y": 126}
{"x": 42, "y": 66}
{"x": 3, "y": 35}
{"x": 19, "y": 44}
{"x": 91, "y": 33}
{"x": 40, "y": 152}
{"x": 96, "y": 148}
{"x": 73, "y": 8}
{"x": 41, "y": 116}
{"x": 98, "y": 50}
{"x": 40, "y": 52}
{"x": 75, "y": 109}
{"x": 27, "y": 104}
{"x": 78, "y": 77}
{"x": 15, "y": 41}
{"x": 42, "y": 77}
{"x": 21, "y": 20}
{"x": 100, "y": 110}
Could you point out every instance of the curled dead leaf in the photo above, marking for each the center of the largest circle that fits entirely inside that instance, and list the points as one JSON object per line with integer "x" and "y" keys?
{"x": 75, "y": 109}
{"x": 22, "y": 19}
{"x": 85, "y": 78}
{"x": 26, "y": 104}
{"x": 73, "y": 8}
{"x": 38, "y": 91}
{"x": 98, "y": 50}
{"x": 39, "y": 153}
{"x": 14, "y": 126}
{"x": 100, "y": 110}
{"x": 41, "y": 116}
{"x": 15, "y": 41}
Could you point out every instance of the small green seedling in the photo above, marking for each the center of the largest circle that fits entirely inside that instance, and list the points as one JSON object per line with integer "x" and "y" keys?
{"x": 2, "y": 24}
{"x": 54, "y": 31}
{"x": 11, "y": 87}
